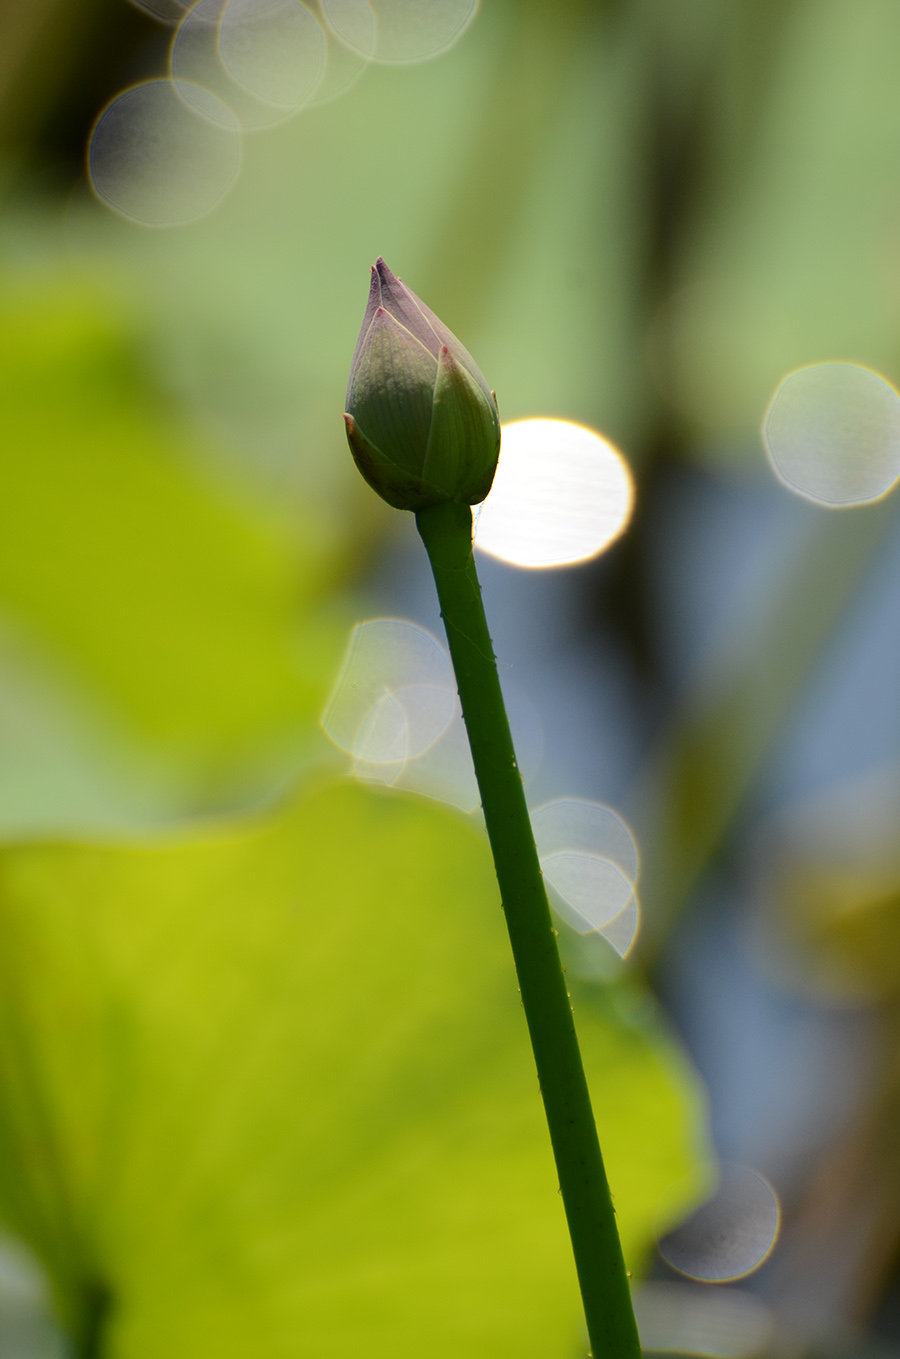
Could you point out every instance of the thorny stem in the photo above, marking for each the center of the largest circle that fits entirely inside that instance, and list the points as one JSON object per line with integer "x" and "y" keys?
{"x": 446, "y": 530}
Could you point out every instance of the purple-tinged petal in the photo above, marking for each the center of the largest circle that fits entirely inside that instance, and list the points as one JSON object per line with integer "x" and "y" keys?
{"x": 391, "y": 390}
{"x": 406, "y": 308}
{"x": 372, "y": 305}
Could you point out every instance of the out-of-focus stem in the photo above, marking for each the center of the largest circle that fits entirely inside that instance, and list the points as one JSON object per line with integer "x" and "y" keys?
{"x": 90, "y": 1342}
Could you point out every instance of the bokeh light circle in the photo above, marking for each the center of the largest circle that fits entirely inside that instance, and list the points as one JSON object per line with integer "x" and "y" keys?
{"x": 160, "y": 161}
{"x": 590, "y": 862}
{"x": 343, "y": 69}
{"x": 691, "y": 1319}
{"x": 395, "y": 711}
{"x": 572, "y": 823}
{"x": 395, "y": 694}
{"x": 264, "y": 60}
{"x": 730, "y": 1235}
{"x": 399, "y": 31}
{"x": 562, "y": 493}
{"x": 832, "y": 433}
{"x": 273, "y": 49}
{"x": 591, "y": 892}
{"x": 168, "y": 11}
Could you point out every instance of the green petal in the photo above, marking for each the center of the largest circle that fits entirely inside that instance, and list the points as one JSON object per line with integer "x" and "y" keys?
{"x": 464, "y": 442}
{"x": 400, "y": 488}
{"x": 391, "y": 392}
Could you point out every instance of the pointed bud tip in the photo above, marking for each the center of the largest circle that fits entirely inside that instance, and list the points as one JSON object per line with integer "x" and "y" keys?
{"x": 384, "y": 273}
{"x": 418, "y": 437}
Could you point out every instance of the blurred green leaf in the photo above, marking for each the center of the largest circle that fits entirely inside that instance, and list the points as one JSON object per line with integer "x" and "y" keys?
{"x": 793, "y": 257}
{"x": 270, "y": 1085}
{"x": 167, "y": 596}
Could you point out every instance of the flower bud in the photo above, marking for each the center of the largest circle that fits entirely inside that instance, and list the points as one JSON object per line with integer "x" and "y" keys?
{"x": 422, "y": 422}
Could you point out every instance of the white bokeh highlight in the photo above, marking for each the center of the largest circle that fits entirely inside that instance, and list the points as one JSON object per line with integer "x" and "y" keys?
{"x": 590, "y": 862}
{"x": 399, "y": 31}
{"x": 730, "y": 1235}
{"x": 395, "y": 694}
{"x": 395, "y": 711}
{"x": 168, "y": 11}
{"x": 161, "y": 161}
{"x": 562, "y": 493}
{"x": 686, "y": 1318}
{"x": 343, "y": 69}
{"x": 264, "y": 60}
{"x": 274, "y": 50}
{"x": 832, "y": 433}
{"x": 244, "y": 66}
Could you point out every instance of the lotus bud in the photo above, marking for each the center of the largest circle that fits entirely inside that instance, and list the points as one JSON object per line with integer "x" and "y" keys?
{"x": 422, "y": 422}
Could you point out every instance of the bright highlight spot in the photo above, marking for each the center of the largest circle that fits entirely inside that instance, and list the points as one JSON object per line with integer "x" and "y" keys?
{"x": 590, "y": 862}
{"x": 395, "y": 711}
{"x": 263, "y": 59}
{"x": 562, "y": 494}
{"x": 395, "y": 694}
{"x": 832, "y": 433}
{"x": 682, "y": 1318}
{"x": 354, "y": 23}
{"x": 343, "y": 68}
{"x": 730, "y": 1235}
{"x": 244, "y": 66}
{"x": 274, "y": 49}
{"x": 593, "y": 890}
{"x": 160, "y": 161}
{"x": 399, "y": 31}
{"x": 169, "y": 11}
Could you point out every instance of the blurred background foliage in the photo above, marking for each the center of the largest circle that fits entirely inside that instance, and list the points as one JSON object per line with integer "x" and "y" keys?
{"x": 263, "y": 1084}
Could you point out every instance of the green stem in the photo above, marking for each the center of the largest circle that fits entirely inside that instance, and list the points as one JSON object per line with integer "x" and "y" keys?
{"x": 97, "y": 1305}
{"x": 446, "y": 531}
